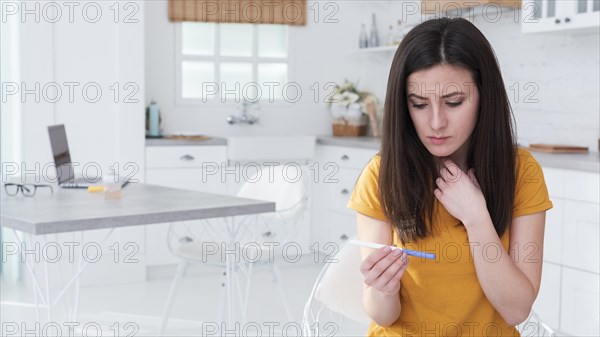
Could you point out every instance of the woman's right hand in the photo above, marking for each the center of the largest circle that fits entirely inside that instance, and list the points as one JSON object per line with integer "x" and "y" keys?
{"x": 383, "y": 269}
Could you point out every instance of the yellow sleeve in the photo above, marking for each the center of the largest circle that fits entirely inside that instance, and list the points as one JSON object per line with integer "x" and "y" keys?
{"x": 365, "y": 196}
{"x": 531, "y": 193}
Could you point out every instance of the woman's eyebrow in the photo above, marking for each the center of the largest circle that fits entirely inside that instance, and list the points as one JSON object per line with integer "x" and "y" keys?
{"x": 445, "y": 96}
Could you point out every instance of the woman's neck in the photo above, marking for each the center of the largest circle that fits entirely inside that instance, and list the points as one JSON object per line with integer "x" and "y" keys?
{"x": 459, "y": 157}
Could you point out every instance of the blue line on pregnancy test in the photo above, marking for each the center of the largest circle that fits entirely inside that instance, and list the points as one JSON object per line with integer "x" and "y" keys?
{"x": 407, "y": 251}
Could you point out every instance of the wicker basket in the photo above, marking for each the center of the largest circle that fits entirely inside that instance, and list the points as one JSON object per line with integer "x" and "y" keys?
{"x": 349, "y": 130}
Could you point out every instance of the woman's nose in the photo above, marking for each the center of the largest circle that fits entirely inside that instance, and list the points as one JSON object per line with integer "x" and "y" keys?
{"x": 438, "y": 118}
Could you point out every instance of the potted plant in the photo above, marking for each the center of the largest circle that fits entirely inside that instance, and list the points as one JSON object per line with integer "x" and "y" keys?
{"x": 351, "y": 110}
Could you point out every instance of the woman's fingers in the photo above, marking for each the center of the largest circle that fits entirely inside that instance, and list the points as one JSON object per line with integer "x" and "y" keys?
{"x": 386, "y": 279}
{"x": 384, "y": 270}
{"x": 373, "y": 258}
{"x": 393, "y": 284}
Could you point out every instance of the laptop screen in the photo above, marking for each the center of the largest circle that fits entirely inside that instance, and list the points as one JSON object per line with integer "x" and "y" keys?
{"x": 60, "y": 151}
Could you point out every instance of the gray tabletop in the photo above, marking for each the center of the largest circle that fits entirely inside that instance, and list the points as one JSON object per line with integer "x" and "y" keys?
{"x": 70, "y": 210}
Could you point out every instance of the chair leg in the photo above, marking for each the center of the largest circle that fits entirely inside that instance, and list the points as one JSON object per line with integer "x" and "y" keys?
{"x": 280, "y": 287}
{"x": 223, "y": 299}
{"x": 246, "y": 299}
{"x": 180, "y": 271}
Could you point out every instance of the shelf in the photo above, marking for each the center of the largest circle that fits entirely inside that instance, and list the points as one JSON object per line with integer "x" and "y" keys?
{"x": 375, "y": 49}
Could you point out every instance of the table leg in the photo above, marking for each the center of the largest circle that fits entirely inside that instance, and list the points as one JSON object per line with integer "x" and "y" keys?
{"x": 47, "y": 301}
{"x": 230, "y": 263}
{"x": 37, "y": 292}
{"x": 73, "y": 315}
{"x": 47, "y": 282}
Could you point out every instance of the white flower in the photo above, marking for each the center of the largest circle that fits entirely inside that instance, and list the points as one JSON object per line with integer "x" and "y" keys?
{"x": 347, "y": 98}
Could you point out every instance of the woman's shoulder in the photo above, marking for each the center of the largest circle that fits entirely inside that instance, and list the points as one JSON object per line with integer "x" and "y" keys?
{"x": 523, "y": 152}
{"x": 525, "y": 160}
{"x": 531, "y": 193}
{"x": 370, "y": 172}
{"x": 373, "y": 164}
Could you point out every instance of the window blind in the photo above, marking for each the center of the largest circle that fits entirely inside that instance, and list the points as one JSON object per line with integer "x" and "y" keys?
{"x": 287, "y": 12}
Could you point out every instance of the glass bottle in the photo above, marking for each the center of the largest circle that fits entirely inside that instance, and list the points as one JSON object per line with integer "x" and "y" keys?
{"x": 399, "y": 34}
{"x": 391, "y": 38}
{"x": 363, "y": 41}
{"x": 374, "y": 38}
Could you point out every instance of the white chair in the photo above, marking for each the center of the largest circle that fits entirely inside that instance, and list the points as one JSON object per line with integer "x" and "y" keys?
{"x": 533, "y": 326}
{"x": 256, "y": 234}
{"x": 334, "y": 307}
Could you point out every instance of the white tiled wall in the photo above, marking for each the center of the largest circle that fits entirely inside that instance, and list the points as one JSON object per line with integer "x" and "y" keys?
{"x": 562, "y": 66}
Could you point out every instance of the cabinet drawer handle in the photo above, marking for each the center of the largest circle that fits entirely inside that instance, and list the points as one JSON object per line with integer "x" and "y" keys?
{"x": 187, "y": 157}
{"x": 557, "y": 21}
{"x": 567, "y": 20}
{"x": 345, "y": 191}
{"x": 345, "y": 157}
{"x": 344, "y": 237}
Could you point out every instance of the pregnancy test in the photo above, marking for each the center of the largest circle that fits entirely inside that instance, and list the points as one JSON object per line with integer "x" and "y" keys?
{"x": 407, "y": 251}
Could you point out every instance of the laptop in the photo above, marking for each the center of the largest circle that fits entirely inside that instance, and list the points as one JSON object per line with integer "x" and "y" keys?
{"x": 62, "y": 161}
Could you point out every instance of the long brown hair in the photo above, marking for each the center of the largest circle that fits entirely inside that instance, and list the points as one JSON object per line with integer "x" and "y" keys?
{"x": 408, "y": 171}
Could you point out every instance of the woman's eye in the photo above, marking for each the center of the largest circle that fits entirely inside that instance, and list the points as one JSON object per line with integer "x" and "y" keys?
{"x": 450, "y": 104}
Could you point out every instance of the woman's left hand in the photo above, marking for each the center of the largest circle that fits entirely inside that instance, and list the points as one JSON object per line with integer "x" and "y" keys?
{"x": 460, "y": 193}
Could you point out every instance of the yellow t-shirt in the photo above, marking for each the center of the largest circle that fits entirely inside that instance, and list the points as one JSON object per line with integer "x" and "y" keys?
{"x": 443, "y": 297}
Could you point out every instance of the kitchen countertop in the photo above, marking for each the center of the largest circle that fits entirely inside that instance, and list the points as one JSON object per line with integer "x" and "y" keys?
{"x": 589, "y": 162}
{"x": 212, "y": 141}
{"x": 357, "y": 142}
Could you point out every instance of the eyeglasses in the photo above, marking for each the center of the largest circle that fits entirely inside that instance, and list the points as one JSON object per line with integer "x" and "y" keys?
{"x": 28, "y": 190}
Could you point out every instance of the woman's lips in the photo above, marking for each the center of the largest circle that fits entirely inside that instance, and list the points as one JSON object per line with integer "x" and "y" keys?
{"x": 438, "y": 141}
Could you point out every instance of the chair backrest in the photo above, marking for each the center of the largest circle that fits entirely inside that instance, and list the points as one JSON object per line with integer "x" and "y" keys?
{"x": 285, "y": 185}
{"x": 337, "y": 294}
{"x": 533, "y": 326}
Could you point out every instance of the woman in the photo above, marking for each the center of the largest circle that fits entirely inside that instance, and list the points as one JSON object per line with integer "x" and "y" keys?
{"x": 449, "y": 180}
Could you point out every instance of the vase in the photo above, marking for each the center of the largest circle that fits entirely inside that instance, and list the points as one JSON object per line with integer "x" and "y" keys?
{"x": 338, "y": 111}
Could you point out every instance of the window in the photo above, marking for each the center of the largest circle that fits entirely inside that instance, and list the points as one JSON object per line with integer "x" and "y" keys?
{"x": 228, "y": 62}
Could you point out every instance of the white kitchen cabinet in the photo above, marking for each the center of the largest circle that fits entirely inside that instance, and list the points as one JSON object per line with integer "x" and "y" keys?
{"x": 553, "y": 236}
{"x": 553, "y": 232}
{"x": 547, "y": 305}
{"x": 338, "y": 169}
{"x": 551, "y": 15}
{"x": 184, "y": 167}
{"x": 580, "y": 313}
{"x": 341, "y": 228}
{"x": 340, "y": 192}
{"x": 582, "y": 186}
{"x": 569, "y": 295}
{"x": 555, "y": 181}
{"x": 581, "y": 233}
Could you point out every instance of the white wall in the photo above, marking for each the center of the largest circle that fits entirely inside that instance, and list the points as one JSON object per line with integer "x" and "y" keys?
{"x": 564, "y": 66}
{"x": 318, "y": 54}
{"x": 9, "y": 71}
{"x": 85, "y": 48}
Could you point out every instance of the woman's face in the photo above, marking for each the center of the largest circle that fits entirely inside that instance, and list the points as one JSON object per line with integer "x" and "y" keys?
{"x": 443, "y": 102}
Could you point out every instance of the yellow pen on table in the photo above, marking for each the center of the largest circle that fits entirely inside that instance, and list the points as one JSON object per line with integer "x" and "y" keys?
{"x": 95, "y": 189}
